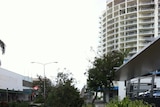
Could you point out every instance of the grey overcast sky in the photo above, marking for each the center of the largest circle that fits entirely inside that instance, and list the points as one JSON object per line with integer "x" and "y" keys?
{"x": 47, "y": 31}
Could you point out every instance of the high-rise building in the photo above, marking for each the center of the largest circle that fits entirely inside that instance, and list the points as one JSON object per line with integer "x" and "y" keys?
{"x": 129, "y": 25}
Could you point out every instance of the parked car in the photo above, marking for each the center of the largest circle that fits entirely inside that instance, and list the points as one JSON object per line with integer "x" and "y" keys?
{"x": 156, "y": 93}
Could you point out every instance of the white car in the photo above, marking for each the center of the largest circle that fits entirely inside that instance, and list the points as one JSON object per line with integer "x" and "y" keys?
{"x": 156, "y": 93}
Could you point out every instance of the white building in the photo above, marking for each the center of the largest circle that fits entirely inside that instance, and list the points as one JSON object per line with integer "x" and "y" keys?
{"x": 14, "y": 87}
{"x": 128, "y": 25}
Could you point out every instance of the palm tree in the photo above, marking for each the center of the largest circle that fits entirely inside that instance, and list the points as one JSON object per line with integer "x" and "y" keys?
{"x": 2, "y": 46}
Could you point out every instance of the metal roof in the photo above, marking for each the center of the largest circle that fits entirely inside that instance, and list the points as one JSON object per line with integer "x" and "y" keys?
{"x": 145, "y": 61}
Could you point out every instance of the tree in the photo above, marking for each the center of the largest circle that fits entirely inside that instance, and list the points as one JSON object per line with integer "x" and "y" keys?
{"x": 101, "y": 74}
{"x": 2, "y": 45}
{"x": 40, "y": 91}
{"x": 64, "y": 93}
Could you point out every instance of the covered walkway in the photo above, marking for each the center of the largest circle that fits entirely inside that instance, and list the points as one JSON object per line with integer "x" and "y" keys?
{"x": 144, "y": 62}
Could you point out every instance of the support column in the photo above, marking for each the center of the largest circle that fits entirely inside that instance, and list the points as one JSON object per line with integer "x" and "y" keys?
{"x": 138, "y": 86}
{"x": 152, "y": 84}
{"x": 121, "y": 90}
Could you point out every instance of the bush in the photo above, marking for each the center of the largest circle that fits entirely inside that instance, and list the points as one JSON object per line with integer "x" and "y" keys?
{"x": 87, "y": 105}
{"x": 39, "y": 99}
{"x": 18, "y": 104}
{"x": 4, "y": 104}
{"x": 126, "y": 102}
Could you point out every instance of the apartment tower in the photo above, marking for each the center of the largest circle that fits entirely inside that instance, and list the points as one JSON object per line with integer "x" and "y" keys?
{"x": 129, "y": 25}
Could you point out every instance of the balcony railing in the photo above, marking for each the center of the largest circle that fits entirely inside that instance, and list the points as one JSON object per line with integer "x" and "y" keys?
{"x": 131, "y": 22}
{"x": 146, "y": 21}
{"x": 133, "y": 51}
{"x": 130, "y": 45}
{"x": 145, "y": 9}
{"x": 146, "y": 38}
{"x": 146, "y": 32}
{"x": 146, "y": 15}
{"x": 146, "y": 26}
{"x": 131, "y": 28}
{"x": 132, "y": 17}
{"x": 132, "y": 5}
{"x": 131, "y": 34}
{"x": 132, "y": 41}
{"x": 146, "y": 3}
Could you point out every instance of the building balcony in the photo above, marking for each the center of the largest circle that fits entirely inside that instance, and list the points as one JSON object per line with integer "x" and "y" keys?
{"x": 146, "y": 21}
{"x": 146, "y": 26}
{"x": 130, "y": 46}
{"x": 111, "y": 40}
{"x": 146, "y": 3}
{"x": 131, "y": 34}
{"x": 110, "y": 45}
{"x": 110, "y": 26}
{"x": 146, "y": 32}
{"x": 131, "y": 42}
{"x": 130, "y": 0}
{"x": 111, "y": 23}
{"x": 131, "y": 28}
{"x": 109, "y": 11}
{"x": 131, "y": 22}
{"x": 109, "y": 31}
{"x": 131, "y": 39}
{"x": 130, "y": 16}
{"x": 143, "y": 15}
{"x": 122, "y": 6}
{"x": 146, "y": 9}
{"x": 110, "y": 35}
{"x": 132, "y": 5}
{"x": 146, "y": 38}
{"x": 143, "y": 44}
{"x": 133, "y": 51}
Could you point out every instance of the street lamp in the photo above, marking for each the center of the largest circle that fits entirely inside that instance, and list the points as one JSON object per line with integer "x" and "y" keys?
{"x": 44, "y": 64}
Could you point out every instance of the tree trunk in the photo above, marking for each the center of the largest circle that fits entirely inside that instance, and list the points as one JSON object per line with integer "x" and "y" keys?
{"x": 94, "y": 99}
{"x": 105, "y": 92}
{"x": 104, "y": 95}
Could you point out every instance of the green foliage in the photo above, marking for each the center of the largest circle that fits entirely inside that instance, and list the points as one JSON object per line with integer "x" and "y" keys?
{"x": 39, "y": 99}
{"x": 64, "y": 94}
{"x": 63, "y": 78}
{"x": 126, "y": 102}
{"x": 14, "y": 104}
{"x": 2, "y": 45}
{"x": 40, "y": 91}
{"x": 87, "y": 105}
{"x": 18, "y": 104}
{"x": 101, "y": 75}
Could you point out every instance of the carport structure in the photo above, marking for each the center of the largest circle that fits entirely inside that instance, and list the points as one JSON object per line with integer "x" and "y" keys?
{"x": 145, "y": 61}
{"x": 142, "y": 63}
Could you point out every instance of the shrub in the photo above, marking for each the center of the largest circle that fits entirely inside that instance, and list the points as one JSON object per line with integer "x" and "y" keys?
{"x": 3, "y": 104}
{"x": 126, "y": 102}
{"x": 18, "y": 104}
{"x": 39, "y": 99}
{"x": 87, "y": 105}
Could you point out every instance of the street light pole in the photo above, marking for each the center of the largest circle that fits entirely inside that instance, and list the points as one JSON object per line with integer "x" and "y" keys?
{"x": 44, "y": 65}
{"x": 44, "y": 82}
